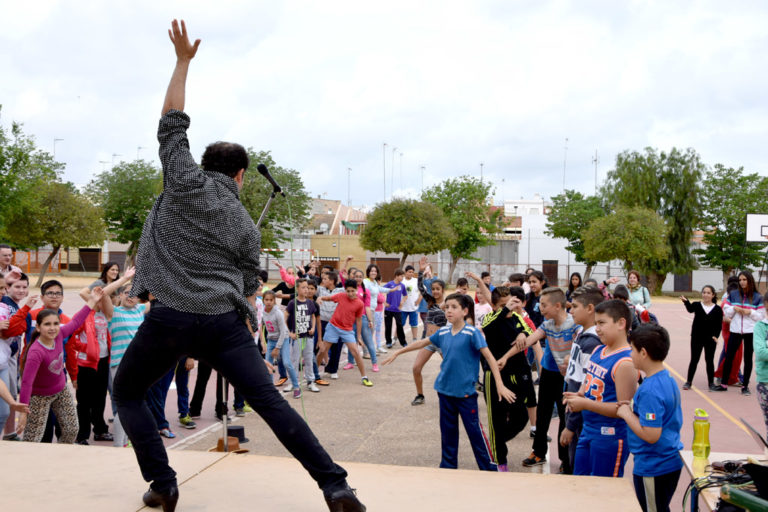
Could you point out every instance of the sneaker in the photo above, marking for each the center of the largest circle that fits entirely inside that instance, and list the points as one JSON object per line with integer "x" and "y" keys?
{"x": 288, "y": 387}
{"x": 382, "y": 350}
{"x": 533, "y": 460}
{"x": 366, "y": 356}
{"x": 419, "y": 400}
{"x": 281, "y": 381}
{"x": 533, "y": 432}
{"x": 166, "y": 432}
{"x": 322, "y": 382}
{"x": 686, "y": 385}
{"x": 240, "y": 413}
{"x": 247, "y": 408}
{"x": 718, "y": 387}
{"x": 348, "y": 366}
{"x": 717, "y": 381}
{"x": 388, "y": 345}
{"x": 187, "y": 422}
{"x": 13, "y": 436}
{"x": 297, "y": 393}
{"x": 502, "y": 468}
{"x": 367, "y": 382}
{"x": 745, "y": 391}
{"x": 713, "y": 387}
{"x": 312, "y": 387}
{"x": 334, "y": 376}
{"x": 375, "y": 367}
{"x": 561, "y": 469}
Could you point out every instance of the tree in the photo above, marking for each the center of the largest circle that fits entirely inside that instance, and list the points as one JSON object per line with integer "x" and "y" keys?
{"x": 569, "y": 217}
{"x": 285, "y": 214}
{"x": 636, "y": 236}
{"x": 126, "y": 194}
{"x": 408, "y": 227}
{"x": 727, "y": 196}
{"x": 465, "y": 203}
{"x": 22, "y": 168}
{"x": 667, "y": 183}
{"x": 58, "y": 215}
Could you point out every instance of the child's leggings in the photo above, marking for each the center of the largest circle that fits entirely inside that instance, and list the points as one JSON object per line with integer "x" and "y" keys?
{"x": 656, "y": 489}
{"x": 303, "y": 350}
{"x": 378, "y": 324}
{"x": 63, "y": 406}
{"x": 451, "y": 408}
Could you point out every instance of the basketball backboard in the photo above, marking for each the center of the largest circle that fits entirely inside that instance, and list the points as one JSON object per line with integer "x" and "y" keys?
{"x": 757, "y": 228}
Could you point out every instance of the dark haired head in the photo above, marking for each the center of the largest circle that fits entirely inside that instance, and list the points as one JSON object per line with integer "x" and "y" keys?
{"x": 462, "y": 281}
{"x": 5, "y": 246}
{"x": 108, "y": 265}
{"x": 301, "y": 280}
{"x": 750, "y": 284}
{"x": 268, "y": 293}
{"x": 732, "y": 284}
{"x": 350, "y": 283}
{"x": 571, "y": 286}
{"x": 590, "y": 281}
{"x": 587, "y": 295}
{"x": 653, "y": 338}
{"x": 485, "y": 274}
{"x": 371, "y": 267}
{"x": 24, "y": 277}
{"x": 399, "y": 272}
{"x": 264, "y": 276}
{"x": 409, "y": 267}
{"x": 538, "y": 274}
{"x": 465, "y": 302}
{"x": 621, "y": 292}
{"x": 498, "y": 294}
{"x": 49, "y": 284}
{"x": 517, "y": 278}
{"x": 616, "y": 309}
{"x": 42, "y": 315}
{"x": 333, "y": 276}
{"x": 439, "y": 282}
{"x": 554, "y": 296}
{"x": 714, "y": 293}
{"x": 225, "y": 157}
{"x": 517, "y": 291}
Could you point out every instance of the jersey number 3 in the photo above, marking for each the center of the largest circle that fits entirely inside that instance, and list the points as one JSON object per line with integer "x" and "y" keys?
{"x": 594, "y": 386}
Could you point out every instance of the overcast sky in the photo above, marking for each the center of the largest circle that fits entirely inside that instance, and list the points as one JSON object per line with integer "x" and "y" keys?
{"x": 323, "y": 85}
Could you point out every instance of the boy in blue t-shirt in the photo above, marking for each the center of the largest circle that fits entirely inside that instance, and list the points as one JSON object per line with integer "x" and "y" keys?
{"x": 654, "y": 420}
{"x": 462, "y": 345}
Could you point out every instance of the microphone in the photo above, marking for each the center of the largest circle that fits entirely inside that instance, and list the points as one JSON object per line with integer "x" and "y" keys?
{"x": 277, "y": 189}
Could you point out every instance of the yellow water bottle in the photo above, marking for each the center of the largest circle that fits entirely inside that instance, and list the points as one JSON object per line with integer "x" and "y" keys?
{"x": 700, "y": 434}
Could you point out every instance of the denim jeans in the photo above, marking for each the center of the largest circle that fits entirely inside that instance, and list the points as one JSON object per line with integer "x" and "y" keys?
{"x": 367, "y": 341}
{"x": 280, "y": 366}
{"x": 287, "y": 360}
{"x": 224, "y": 342}
{"x": 156, "y": 396}
{"x": 182, "y": 387}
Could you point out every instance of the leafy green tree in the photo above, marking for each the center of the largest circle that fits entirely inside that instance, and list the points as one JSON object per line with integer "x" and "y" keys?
{"x": 55, "y": 214}
{"x": 669, "y": 184}
{"x": 126, "y": 194}
{"x": 22, "y": 168}
{"x": 285, "y": 214}
{"x": 637, "y": 236}
{"x": 569, "y": 217}
{"x": 408, "y": 227}
{"x": 465, "y": 203}
{"x": 728, "y": 194}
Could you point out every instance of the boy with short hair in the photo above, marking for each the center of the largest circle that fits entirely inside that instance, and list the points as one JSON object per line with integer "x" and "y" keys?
{"x": 395, "y": 301}
{"x": 610, "y": 379}
{"x": 560, "y": 330}
{"x": 349, "y": 310}
{"x": 462, "y": 286}
{"x": 300, "y": 318}
{"x": 654, "y": 418}
{"x": 583, "y": 302}
{"x": 462, "y": 346}
{"x": 18, "y": 289}
{"x": 409, "y": 308}
{"x": 312, "y": 287}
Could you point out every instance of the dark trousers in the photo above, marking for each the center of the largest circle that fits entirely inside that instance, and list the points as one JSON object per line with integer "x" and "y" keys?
{"x": 550, "y": 395}
{"x": 51, "y": 427}
{"x": 398, "y": 318}
{"x": 505, "y": 420}
{"x": 334, "y": 353}
{"x": 182, "y": 387}
{"x": 203, "y": 375}
{"x": 156, "y": 396}
{"x": 91, "y": 398}
{"x": 451, "y": 409}
{"x": 697, "y": 345}
{"x": 734, "y": 342}
{"x": 662, "y": 487}
{"x": 224, "y": 342}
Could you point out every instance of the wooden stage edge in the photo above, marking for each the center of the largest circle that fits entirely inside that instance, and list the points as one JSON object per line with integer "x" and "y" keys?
{"x": 71, "y": 477}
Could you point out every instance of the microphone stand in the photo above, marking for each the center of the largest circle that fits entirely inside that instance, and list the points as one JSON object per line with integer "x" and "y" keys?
{"x": 225, "y": 384}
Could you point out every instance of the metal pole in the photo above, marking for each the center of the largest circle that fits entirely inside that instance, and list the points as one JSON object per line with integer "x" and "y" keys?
{"x": 139, "y": 148}
{"x": 113, "y": 158}
{"x": 596, "y": 161}
{"x": 422, "y": 178}
{"x": 384, "y": 170}
{"x": 392, "y": 174}
{"x": 401, "y": 170}
{"x": 481, "y": 172}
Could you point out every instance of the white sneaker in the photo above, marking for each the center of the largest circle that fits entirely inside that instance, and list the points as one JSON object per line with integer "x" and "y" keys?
{"x": 382, "y": 350}
{"x": 334, "y": 376}
{"x": 288, "y": 388}
{"x": 313, "y": 387}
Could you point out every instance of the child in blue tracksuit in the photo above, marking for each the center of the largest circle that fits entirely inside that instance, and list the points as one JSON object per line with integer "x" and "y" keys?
{"x": 462, "y": 345}
{"x": 654, "y": 420}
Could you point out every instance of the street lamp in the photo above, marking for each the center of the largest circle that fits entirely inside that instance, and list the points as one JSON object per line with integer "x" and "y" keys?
{"x": 392, "y": 176}
{"x": 401, "y": 171}
{"x": 422, "y": 178}
{"x": 481, "y": 172}
{"x": 113, "y": 158}
{"x": 139, "y": 148}
{"x": 55, "y": 140}
{"x": 103, "y": 165}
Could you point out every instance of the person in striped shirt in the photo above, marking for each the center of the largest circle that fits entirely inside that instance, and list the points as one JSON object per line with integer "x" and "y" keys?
{"x": 126, "y": 319}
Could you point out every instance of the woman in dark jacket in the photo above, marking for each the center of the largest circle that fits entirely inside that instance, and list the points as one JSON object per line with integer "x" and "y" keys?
{"x": 707, "y": 324}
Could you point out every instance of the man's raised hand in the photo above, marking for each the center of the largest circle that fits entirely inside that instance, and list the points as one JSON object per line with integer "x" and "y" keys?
{"x": 180, "y": 40}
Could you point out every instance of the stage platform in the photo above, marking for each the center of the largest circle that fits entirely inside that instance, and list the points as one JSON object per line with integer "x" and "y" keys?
{"x": 91, "y": 478}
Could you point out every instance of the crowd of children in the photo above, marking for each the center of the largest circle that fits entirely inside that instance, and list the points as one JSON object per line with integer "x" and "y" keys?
{"x": 588, "y": 348}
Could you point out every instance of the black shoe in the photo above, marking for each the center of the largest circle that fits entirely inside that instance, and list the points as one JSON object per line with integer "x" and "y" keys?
{"x": 745, "y": 391}
{"x": 389, "y": 345}
{"x": 167, "y": 500}
{"x": 343, "y": 499}
{"x": 718, "y": 387}
{"x": 686, "y": 385}
{"x": 419, "y": 400}
{"x": 106, "y": 436}
{"x": 83, "y": 442}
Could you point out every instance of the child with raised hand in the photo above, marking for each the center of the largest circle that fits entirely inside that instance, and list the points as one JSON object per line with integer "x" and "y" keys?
{"x": 559, "y": 330}
{"x": 462, "y": 346}
{"x": 583, "y": 303}
{"x": 654, "y": 418}
{"x": 300, "y": 318}
{"x": 610, "y": 378}
{"x": 43, "y": 385}
{"x": 707, "y": 324}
